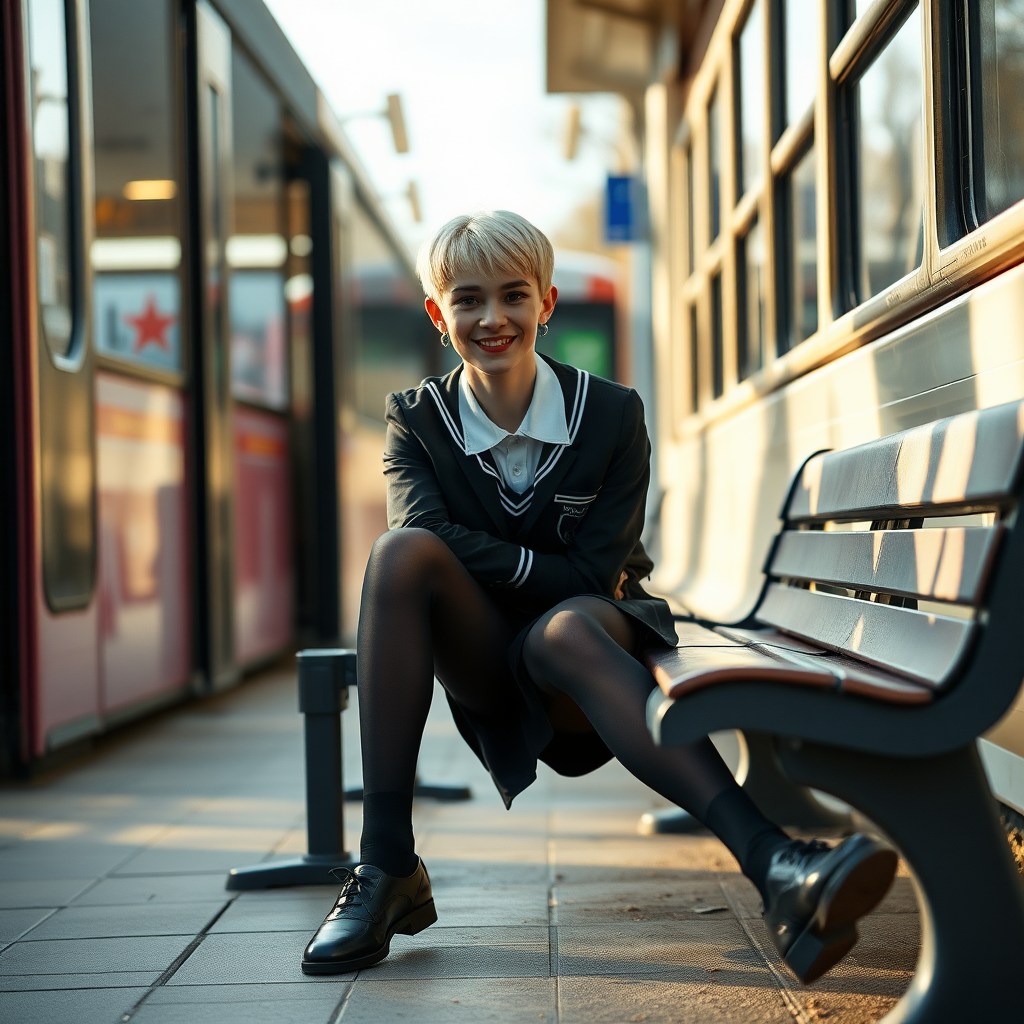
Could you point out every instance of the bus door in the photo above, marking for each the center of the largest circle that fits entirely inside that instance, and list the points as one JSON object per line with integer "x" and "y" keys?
{"x": 211, "y": 379}
{"x": 54, "y": 370}
{"x": 140, "y": 327}
{"x": 268, "y": 299}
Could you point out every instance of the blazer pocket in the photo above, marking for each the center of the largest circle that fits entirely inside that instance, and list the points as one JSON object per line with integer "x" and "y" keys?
{"x": 571, "y": 509}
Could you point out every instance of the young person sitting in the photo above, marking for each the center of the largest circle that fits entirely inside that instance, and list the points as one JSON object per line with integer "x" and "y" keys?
{"x": 512, "y": 572}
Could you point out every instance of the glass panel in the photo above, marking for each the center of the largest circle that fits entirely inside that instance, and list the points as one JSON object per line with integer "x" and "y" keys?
{"x": 694, "y": 360}
{"x": 136, "y": 255}
{"x": 801, "y": 303}
{"x": 891, "y": 175}
{"x": 751, "y": 97}
{"x": 691, "y": 266}
{"x": 801, "y": 26}
{"x": 997, "y": 27}
{"x": 751, "y": 265}
{"x": 258, "y": 250}
{"x": 717, "y": 340}
{"x": 51, "y": 146}
{"x": 715, "y": 164}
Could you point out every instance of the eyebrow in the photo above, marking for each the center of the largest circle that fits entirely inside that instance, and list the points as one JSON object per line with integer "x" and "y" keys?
{"x": 477, "y": 288}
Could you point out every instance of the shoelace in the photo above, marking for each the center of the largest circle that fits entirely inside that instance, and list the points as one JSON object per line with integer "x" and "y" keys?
{"x": 797, "y": 854}
{"x": 351, "y": 890}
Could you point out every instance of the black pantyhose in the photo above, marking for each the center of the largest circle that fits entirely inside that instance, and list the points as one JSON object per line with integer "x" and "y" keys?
{"x": 582, "y": 648}
{"x": 422, "y": 615}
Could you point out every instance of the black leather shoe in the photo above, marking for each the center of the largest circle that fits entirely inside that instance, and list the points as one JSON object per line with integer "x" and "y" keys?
{"x": 816, "y": 894}
{"x": 370, "y": 908}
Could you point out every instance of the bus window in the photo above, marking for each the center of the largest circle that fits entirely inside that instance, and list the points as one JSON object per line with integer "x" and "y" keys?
{"x": 799, "y": 270}
{"x": 801, "y": 34}
{"x": 136, "y": 256}
{"x": 890, "y": 162}
{"x": 750, "y": 114}
{"x": 750, "y": 264}
{"x": 51, "y": 144}
{"x": 257, "y": 249}
{"x": 715, "y": 164}
{"x": 995, "y": 30}
{"x": 717, "y": 338}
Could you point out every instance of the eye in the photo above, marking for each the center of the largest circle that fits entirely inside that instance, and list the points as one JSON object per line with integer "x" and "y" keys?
{"x": 466, "y": 300}
{"x": 515, "y": 296}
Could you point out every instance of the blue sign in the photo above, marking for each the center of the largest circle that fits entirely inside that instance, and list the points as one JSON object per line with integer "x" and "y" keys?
{"x": 622, "y": 214}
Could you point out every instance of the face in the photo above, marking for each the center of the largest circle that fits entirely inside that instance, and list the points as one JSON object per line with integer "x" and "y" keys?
{"x": 492, "y": 321}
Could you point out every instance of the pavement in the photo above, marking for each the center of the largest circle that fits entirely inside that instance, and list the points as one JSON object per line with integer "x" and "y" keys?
{"x": 113, "y": 906}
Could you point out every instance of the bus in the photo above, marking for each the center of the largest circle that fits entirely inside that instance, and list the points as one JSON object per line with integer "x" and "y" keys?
{"x": 198, "y": 286}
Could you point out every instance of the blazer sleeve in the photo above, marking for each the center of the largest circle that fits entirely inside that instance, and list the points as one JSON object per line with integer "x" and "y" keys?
{"x": 415, "y": 499}
{"x": 603, "y": 542}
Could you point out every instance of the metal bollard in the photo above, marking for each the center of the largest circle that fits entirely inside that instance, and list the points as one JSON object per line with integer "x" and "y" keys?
{"x": 324, "y": 679}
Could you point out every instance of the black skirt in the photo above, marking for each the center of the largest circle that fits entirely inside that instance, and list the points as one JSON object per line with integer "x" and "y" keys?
{"x": 510, "y": 750}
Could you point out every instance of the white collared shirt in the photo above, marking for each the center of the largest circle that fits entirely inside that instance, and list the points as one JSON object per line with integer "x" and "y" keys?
{"x": 517, "y": 455}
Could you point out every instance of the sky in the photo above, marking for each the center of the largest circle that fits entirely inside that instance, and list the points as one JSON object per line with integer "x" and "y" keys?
{"x": 483, "y": 134}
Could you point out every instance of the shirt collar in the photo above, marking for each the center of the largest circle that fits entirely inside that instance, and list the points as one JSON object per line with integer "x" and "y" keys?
{"x": 544, "y": 420}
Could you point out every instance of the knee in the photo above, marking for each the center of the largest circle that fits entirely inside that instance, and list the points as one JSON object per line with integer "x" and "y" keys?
{"x": 404, "y": 555}
{"x": 560, "y": 636}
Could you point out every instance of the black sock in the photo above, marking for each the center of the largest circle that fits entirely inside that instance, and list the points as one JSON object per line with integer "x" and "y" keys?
{"x": 750, "y": 836}
{"x": 387, "y": 841}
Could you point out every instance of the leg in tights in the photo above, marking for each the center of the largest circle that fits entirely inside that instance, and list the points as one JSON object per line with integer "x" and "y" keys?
{"x": 582, "y": 649}
{"x": 420, "y": 613}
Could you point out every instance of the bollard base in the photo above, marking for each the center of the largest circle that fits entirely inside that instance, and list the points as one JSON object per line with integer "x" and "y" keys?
{"x": 305, "y": 870}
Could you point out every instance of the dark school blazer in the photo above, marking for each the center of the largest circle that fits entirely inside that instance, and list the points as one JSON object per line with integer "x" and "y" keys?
{"x": 570, "y": 534}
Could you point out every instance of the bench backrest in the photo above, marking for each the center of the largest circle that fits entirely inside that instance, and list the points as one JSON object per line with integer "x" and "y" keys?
{"x": 875, "y": 559}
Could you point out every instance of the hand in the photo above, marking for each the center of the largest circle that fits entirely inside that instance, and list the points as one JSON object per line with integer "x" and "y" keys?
{"x": 619, "y": 594}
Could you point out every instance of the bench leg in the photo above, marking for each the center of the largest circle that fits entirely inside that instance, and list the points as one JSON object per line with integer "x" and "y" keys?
{"x": 940, "y": 814}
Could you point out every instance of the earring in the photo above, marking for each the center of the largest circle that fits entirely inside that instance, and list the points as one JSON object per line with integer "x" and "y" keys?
{"x": 542, "y": 329}
{"x": 444, "y": 340}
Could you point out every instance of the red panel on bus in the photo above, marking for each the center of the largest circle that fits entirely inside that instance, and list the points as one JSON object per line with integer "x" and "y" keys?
{"x": 143, "y": 539}
{"x": 264, "y": 575}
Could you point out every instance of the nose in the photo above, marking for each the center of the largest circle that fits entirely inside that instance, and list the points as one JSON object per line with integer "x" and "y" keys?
{"x": 492, "y": 316}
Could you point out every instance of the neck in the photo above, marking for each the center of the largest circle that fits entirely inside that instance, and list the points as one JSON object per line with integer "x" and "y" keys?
{"x": 505, "y": 397}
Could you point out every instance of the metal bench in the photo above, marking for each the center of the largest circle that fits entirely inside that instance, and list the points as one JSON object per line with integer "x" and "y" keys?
{"x": 876, "y": 658}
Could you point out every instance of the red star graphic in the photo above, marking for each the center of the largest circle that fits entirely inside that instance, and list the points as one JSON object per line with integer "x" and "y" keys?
{"x": 151, "y": 326}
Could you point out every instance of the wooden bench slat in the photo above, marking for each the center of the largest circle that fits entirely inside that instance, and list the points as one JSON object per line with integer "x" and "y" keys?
{"x": 942, "y": 564}
{"x": 919, "y": 645}
{"x": 969, "y": 458}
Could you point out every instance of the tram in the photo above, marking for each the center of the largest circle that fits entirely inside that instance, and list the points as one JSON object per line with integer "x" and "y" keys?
{"x": 837, "y": 190}
{"x": 202, "y": 304}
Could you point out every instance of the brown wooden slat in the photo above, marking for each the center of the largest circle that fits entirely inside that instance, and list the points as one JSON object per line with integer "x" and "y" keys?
{"x": 942, "y": 564}
{"x": 971, "y": 458}
{"x": 922, "y": 646}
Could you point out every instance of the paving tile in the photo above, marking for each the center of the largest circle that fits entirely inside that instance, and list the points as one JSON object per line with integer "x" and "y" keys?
{"x": 90, "y": 956}
{"x": 14, "y": 923}
{"x": 690, "y": 949}
{"x": 51, "y": 982}
{"x": 492, "y": 904}
{"x": 707, "y": 1000}
{"x": 283, "y": 1003}
{"x": 252, "y": 912}
{"x": 450, "y": 1000}
{"x": 44, "y": 892}
{"x": 168, "y": 861}
{"x": 424, "y": 958}
{"x": 140, "y": 889}
{"x": 248, "y": 959}
{"x": 32, "y": 861}
{"x": 96, "y": 1006}
{"x": 446, "y": 873}
{"x": 643, "y": 899}
{"x": 112, "y": 922}
{"x": 533, "y": 936}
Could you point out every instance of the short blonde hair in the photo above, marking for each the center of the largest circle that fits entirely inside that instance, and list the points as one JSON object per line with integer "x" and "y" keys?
{"x": 494, "y": 242}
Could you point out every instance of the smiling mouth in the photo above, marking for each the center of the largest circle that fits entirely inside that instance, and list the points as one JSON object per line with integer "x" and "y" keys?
{"x": 494, "y": 344}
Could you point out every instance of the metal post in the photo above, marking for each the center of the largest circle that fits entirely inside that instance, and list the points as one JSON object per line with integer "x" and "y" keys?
{"x": 324, "y": 679}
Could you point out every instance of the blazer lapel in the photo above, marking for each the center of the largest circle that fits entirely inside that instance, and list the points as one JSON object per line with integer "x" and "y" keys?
{"x": 446, "y": 399}
{"x": 554, "y": 464}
